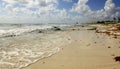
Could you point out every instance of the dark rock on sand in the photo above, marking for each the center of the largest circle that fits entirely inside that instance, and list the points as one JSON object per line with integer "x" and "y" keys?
{"x": 94, "y": 28}
{"x": 109, "y": 47}
{"x": 68, "y": 38}
{"x": 95, "y": 42}
{"x": 56, "y": 28}
{"x": 82, "y": 26}
{"x": 117, "y": 58}
{"x": 73, "y": 29}
{"x": 13, "y": 35}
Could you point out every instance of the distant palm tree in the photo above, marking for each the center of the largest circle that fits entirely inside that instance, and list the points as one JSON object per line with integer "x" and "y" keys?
{"x": 114, "y": 19}
{"x": 118, "y": 19}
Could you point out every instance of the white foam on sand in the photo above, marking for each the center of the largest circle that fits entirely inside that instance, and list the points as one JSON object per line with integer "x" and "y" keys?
{"x": 28, "y": 49}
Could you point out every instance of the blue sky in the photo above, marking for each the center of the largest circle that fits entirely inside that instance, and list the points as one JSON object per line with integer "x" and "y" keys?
{"x": 66, "y": 5}
{"x": 96, "y": 5}
{"x": 57, "y": 11}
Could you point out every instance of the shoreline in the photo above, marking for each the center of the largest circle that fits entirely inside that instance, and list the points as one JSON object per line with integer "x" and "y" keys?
{"x": 84, "y": 52}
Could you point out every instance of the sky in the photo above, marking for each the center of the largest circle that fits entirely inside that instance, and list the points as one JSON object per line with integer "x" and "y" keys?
{"x": 58, "y": 11}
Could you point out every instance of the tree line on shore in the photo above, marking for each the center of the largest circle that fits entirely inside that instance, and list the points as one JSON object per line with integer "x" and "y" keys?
{"x": 114, "y": 20}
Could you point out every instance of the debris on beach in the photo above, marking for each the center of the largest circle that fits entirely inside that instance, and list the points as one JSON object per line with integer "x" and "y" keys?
{"x": 68, "y": 38}
{"x": 117, "y": 58}
{"x": 109, "y": 47}
{"x": 115, "y": 36}
{"x": 82, "y": 26}
{"x": 43, "y": 62}
{"x": 95, "y": 42}
{"x": 73, "y": 29}
{"x": 56, "y": 28}
{"x": 113, "y": 55}
{"x": 12, "y": 35}
{"x": 94, "y": 28}
{"x": 113, "y": 30}
{"x": 101, "y": 31}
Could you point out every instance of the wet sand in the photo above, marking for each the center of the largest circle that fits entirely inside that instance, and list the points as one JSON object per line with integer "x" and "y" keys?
{"x": 88, "y": 50}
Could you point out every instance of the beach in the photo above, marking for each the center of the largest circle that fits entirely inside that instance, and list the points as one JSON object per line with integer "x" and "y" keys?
{"x": 59, "y": 34}
{"x": 87, "y": 50}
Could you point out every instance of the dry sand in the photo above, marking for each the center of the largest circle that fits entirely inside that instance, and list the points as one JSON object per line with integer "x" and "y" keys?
{"x": 88, "y": 50}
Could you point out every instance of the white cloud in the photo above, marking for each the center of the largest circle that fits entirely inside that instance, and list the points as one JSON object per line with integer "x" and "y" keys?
{"x": 109, "y": 11}
{"x": 67, "y": 0}
{"x": 9, "y": 7}
{"x": 109, "y": 5}
{"x": 31, "y": 3}
{"x": 81, "y": 7}
{"x": 46, "y": 11}
{"x": 28, "y": 11}
{"x": 26, "y": 6}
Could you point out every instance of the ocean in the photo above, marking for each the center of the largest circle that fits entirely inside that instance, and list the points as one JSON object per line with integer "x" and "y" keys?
{"x": 24, "y": 44}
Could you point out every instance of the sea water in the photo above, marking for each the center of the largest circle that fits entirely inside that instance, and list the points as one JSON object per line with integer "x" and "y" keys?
{"x": 21, "y": 45}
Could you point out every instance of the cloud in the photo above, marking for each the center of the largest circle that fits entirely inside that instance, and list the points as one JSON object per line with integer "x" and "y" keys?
{"x": 31, "y": 3}
{"x": 68, "y": 0}
{"x": 30, "y": 7}
{"x": 108, "y": 12}
{"x": 47, "y": 11}
{"x": 81, "y": 7}
{"x": 43, "y": 11}
{"x": 29, "y": 11}
{"x": 9, "y": 7}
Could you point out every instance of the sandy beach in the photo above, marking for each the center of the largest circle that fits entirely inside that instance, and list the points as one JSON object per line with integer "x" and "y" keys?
{"x": 88, "y": 50}
{"x": 59, "y": 34}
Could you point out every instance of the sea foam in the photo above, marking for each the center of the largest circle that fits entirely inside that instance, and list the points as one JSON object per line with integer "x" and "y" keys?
{"x": 20, "y": 51}
{"x": 21, "y": 30}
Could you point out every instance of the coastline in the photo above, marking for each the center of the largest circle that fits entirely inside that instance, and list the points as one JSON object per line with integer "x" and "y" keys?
{"x": 88, "y": 50}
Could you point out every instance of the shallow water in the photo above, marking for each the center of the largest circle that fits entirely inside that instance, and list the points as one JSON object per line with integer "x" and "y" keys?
{"x": 19, "y": 51}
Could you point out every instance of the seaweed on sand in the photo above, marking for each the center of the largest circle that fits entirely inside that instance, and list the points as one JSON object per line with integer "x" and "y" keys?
{"x": 117, "y": 58}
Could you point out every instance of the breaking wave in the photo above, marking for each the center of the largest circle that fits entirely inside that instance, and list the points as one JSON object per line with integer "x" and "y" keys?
{"x": 20, "y": 51}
